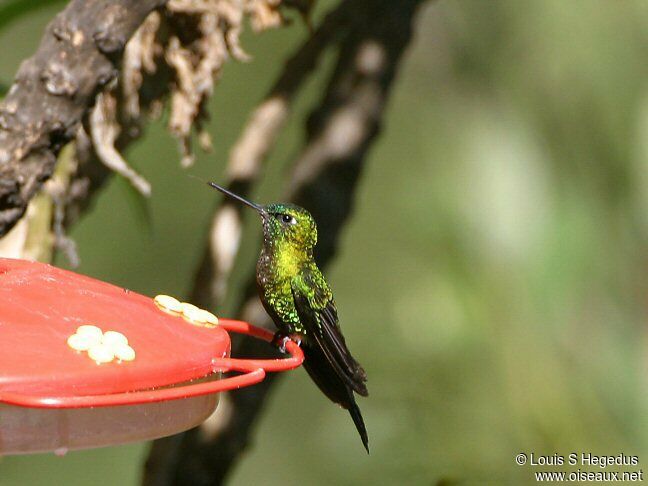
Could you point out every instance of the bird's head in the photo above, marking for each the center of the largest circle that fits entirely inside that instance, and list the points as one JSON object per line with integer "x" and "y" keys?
{"x": 289, "y": 223}
{"x": 282, "y": 222}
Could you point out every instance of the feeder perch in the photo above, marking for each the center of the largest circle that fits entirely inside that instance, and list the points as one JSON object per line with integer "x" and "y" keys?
{"x": 58, "y": 393}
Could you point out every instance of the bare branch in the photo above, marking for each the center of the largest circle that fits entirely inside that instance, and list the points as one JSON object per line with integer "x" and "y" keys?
{"x": 55, "y": 89}
{"x": 177, "y": 52}
{"x": 80, "y": 54}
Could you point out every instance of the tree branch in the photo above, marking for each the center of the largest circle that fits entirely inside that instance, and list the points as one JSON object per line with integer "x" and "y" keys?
{"x": 340, "y": 132}
{"x": 54, "y": 90}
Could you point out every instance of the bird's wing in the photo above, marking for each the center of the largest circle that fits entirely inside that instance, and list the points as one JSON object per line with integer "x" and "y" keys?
{"x": 317, "y": 312}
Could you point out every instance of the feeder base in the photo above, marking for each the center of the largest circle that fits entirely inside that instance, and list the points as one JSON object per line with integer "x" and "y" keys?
{"x": 28, "y": 430}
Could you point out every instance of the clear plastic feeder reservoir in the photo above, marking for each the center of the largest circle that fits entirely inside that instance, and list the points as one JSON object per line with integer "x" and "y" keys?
{"x": 84, "y": 363}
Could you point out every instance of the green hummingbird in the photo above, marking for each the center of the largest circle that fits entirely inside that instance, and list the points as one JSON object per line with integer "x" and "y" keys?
{"x": 300, "y": 302}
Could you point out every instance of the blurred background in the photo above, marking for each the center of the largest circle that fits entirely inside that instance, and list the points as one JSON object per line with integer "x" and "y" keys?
{"x": 494, "y": 275}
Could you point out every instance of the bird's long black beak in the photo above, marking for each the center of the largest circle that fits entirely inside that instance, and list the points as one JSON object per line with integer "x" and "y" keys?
{"x": 238, "y": 198}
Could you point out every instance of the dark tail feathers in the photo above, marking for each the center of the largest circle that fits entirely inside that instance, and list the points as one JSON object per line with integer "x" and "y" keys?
{"x": 354, "y": 410}
{"x": 326, "y": 378}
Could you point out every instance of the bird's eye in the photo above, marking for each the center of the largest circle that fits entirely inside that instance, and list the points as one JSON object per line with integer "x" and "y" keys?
{"x": 286, "y": 219}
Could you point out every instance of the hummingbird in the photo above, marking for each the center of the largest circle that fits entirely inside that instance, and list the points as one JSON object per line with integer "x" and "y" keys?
{"x": 300, "y": 302}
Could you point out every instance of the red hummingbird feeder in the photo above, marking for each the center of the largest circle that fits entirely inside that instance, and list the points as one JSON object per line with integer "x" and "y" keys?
{"x": 162, "y": 377}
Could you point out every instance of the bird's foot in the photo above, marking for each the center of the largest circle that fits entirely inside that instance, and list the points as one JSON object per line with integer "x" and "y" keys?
{"x": 280, "y": 340}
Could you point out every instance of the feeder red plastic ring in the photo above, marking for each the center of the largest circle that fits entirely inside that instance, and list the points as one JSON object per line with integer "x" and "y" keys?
{"x": 254, "y": 371}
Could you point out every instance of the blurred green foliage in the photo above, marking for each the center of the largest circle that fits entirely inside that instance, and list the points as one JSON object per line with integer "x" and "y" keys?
{"x": 493, "y": 280}
{"x": 12, "y": 10}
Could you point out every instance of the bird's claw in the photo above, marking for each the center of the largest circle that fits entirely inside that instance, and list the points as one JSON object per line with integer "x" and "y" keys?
{"x": 280, "y": 340}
